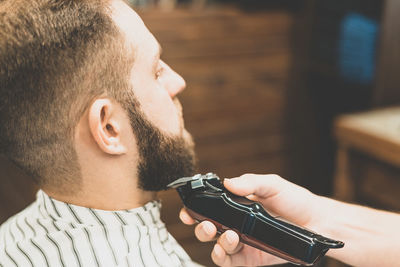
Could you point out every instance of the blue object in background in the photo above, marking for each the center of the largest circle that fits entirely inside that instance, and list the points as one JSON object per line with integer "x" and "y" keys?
{"x": 357, "y": 48}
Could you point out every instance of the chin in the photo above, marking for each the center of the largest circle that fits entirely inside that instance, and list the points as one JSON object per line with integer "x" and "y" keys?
{"x": 188, "y": 138}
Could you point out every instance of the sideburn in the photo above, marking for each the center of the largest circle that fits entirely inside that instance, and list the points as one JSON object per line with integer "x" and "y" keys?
{"x": 163, "y": 159}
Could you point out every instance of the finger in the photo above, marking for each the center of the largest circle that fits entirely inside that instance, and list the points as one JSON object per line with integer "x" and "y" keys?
{"x": 205, "y": 231}
{"x": 260, "y": 185}
{"x": 229, "y": 241}
{"x": 185, "y": 217}
{"x": 219, "y": 256}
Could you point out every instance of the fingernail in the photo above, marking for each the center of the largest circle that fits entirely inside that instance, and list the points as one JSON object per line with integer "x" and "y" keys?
{"x": 217, "y": 250}
{"x": 185, "y": 216}
{"x": 208, "y": 228}
{"x": 230, "y": 237}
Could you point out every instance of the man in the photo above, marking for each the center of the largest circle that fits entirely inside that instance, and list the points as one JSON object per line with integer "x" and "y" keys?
{"x": 89, "y": 110}
{"x": 371, "y": 237}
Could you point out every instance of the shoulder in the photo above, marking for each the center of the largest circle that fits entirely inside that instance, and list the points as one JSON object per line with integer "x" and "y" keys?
{"x": 9, "y": 227}
{"x": 31, "y": 238}
{"x": 13, "y": 233}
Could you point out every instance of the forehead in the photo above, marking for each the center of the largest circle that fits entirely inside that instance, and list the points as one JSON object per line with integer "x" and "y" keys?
{"x": 137, "y": 37}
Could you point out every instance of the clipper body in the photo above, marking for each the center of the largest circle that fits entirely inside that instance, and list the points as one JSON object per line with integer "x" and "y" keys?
{"x": 205, "y": 198}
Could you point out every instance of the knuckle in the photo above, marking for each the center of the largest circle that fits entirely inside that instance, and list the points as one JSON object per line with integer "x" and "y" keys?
{"x": 247, "y": 175}
{"x": 274, "y": 176}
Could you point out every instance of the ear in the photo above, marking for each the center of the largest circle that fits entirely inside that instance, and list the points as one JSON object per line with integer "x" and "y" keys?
{"x": 105, "y": 127}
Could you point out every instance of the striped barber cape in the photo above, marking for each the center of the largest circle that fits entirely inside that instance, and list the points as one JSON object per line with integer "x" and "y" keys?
{"x": 54, "y": 233}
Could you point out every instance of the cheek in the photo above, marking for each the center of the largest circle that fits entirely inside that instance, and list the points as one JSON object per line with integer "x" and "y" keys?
{"x": 160, "y": 109}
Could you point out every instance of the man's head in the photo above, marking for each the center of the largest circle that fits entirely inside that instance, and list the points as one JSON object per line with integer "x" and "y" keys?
{"x": 83, "y": 92}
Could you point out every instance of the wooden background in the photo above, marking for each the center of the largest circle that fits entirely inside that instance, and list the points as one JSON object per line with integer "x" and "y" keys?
{"x": 253, "y": 102}
{"x": 237, "y": 68}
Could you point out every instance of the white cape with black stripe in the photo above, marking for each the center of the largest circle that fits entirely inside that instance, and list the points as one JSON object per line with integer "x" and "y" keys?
{"x": 54, "y": 233}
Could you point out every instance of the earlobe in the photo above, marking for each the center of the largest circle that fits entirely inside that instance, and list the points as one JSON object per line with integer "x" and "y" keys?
{"x": 104, "y": 127}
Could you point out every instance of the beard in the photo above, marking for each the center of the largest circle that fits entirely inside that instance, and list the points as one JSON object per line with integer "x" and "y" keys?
{"x": 162, "y": 159}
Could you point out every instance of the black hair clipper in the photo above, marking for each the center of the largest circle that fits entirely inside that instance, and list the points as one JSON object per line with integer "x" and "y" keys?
{"x": 205, "y": 198}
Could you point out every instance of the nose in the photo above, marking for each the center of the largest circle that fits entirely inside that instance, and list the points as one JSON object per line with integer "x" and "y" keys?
{"x": 174, "y": 83}
{"x": 179, "y": 86}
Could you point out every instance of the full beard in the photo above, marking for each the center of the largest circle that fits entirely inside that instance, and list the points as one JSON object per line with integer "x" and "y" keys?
{"x": 162, "y": 159}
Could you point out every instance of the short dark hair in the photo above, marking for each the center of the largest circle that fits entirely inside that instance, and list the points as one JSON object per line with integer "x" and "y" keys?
{"x": 56, "y": 56}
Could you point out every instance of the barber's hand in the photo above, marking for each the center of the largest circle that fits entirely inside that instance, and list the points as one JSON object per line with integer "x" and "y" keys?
{"x": 279, "y": 197}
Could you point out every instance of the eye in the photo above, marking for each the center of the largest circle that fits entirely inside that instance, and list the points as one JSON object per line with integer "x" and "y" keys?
{"x": 158, "y": 74}
{"x": 159, "y": 71}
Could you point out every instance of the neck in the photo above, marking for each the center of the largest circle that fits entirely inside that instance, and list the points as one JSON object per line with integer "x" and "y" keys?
{"x": 113, "y": 196}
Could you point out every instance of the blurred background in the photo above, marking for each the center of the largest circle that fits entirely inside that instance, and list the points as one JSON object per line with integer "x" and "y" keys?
{"x": 306, "y": 89}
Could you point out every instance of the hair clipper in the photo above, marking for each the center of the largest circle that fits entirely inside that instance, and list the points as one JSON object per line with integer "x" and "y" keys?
{"x": 205, "y": 198}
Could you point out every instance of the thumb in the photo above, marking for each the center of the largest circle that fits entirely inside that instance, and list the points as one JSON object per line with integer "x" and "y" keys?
{"x": 263, "y": 186}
